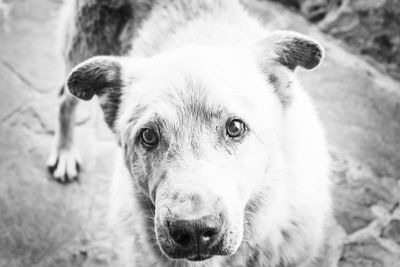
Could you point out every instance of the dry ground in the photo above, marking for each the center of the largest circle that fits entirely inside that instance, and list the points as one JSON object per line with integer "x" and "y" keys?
{"x": 43, "y": 223}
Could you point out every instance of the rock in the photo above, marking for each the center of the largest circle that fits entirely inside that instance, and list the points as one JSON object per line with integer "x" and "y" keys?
{"x": 370, "y": 28}
{"x": 366, "y": 247}
{"x": 357, "y": 190}
{"x": 368, "y": 253}
{"x": 392, "y": 231}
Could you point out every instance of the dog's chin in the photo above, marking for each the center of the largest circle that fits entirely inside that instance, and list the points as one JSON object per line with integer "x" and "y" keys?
{"x": 199, "y": 257}
{"x": 177, "y": 256}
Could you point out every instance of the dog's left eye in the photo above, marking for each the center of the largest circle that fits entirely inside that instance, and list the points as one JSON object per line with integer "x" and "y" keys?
{"x": 235, "y": 128}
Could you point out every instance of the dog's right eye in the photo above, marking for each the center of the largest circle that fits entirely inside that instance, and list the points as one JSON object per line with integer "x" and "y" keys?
{"x": 149, "y": 137}
{"x": 235, "y": 128}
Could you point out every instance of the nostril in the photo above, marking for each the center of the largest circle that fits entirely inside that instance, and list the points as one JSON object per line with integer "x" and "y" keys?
{"x": 209, "y": 234}
{"x": 182, "y": 238}
{"x": 186, "y": 235}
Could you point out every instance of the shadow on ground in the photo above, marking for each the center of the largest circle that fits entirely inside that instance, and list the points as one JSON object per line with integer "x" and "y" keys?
{"x": 43, "y": 223}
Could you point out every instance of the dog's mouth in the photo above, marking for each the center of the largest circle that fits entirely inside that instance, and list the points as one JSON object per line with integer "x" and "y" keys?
{"x": 197, "y": 254}
{"x": 194, "y": 257}
{"x": 199, "y": 257}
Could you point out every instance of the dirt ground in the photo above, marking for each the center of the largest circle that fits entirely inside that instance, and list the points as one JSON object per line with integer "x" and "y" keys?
{"x": 44, "y": 223}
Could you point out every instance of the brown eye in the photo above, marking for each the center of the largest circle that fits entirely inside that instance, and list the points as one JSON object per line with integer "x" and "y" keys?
{"x": 149, "y": 137}
{"x": 235, "y": 128}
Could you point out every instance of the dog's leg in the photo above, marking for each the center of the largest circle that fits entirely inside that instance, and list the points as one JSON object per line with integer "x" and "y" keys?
{"x": 64, "y": 160}
{"x": 89, "y": 28}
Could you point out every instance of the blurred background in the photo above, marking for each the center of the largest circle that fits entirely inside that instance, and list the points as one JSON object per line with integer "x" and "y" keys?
{"x": 356, "y": 90}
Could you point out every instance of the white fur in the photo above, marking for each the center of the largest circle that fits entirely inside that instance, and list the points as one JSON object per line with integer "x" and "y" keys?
{"x": 300, "y": 186}
{"x": 287, "y": 144}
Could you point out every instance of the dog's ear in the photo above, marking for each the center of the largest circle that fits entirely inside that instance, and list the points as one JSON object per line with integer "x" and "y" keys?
{"x": 291, "y": 49}
{"x": 281, "y": 52}
{"x": 101, "y": 76}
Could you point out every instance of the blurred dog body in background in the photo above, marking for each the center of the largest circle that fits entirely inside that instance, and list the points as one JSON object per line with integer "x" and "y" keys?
{"x": 223, "y": 159}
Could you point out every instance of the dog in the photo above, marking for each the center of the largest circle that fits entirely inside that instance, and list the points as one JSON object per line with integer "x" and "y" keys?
{"x": 222, "y": 159}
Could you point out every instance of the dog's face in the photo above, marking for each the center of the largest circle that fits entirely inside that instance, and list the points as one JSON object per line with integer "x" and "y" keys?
{"x": 191, "y": 129}
{"x": 200, "y": 128}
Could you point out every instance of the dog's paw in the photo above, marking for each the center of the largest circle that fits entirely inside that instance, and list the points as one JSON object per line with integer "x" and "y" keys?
{"x": 64, "y": 165}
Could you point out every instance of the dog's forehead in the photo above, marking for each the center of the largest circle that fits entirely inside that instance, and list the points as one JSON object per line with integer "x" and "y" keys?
{"x": 200, "y": 82}
{"x": 228, "y": 65}
{"x": 184, "y": 101}
{"x": 199, "y": 56}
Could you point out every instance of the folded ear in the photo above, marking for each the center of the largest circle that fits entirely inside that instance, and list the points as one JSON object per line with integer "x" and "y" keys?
{"x": 291, "y": 49}
{"x": 101, "y": 76}
{"x": 280, "y": 53}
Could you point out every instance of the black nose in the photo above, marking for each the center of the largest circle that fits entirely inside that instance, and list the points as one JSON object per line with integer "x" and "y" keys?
{"x": 195, "y": 235}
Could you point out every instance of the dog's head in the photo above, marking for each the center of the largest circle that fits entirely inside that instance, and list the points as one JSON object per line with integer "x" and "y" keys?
{"x": 200, "y": 129}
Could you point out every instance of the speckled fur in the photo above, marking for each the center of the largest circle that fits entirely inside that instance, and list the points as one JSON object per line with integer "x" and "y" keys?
{"x": 99, "y": 27}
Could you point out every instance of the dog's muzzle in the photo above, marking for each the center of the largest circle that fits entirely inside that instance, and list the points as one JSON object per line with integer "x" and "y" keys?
{"x": 195, "y": 240}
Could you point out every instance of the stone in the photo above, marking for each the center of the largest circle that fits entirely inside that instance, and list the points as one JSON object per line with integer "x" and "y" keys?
{"x": 370, "y": 28}
{"x": 368, "y": 253}
{"x": 392, "y": 231}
